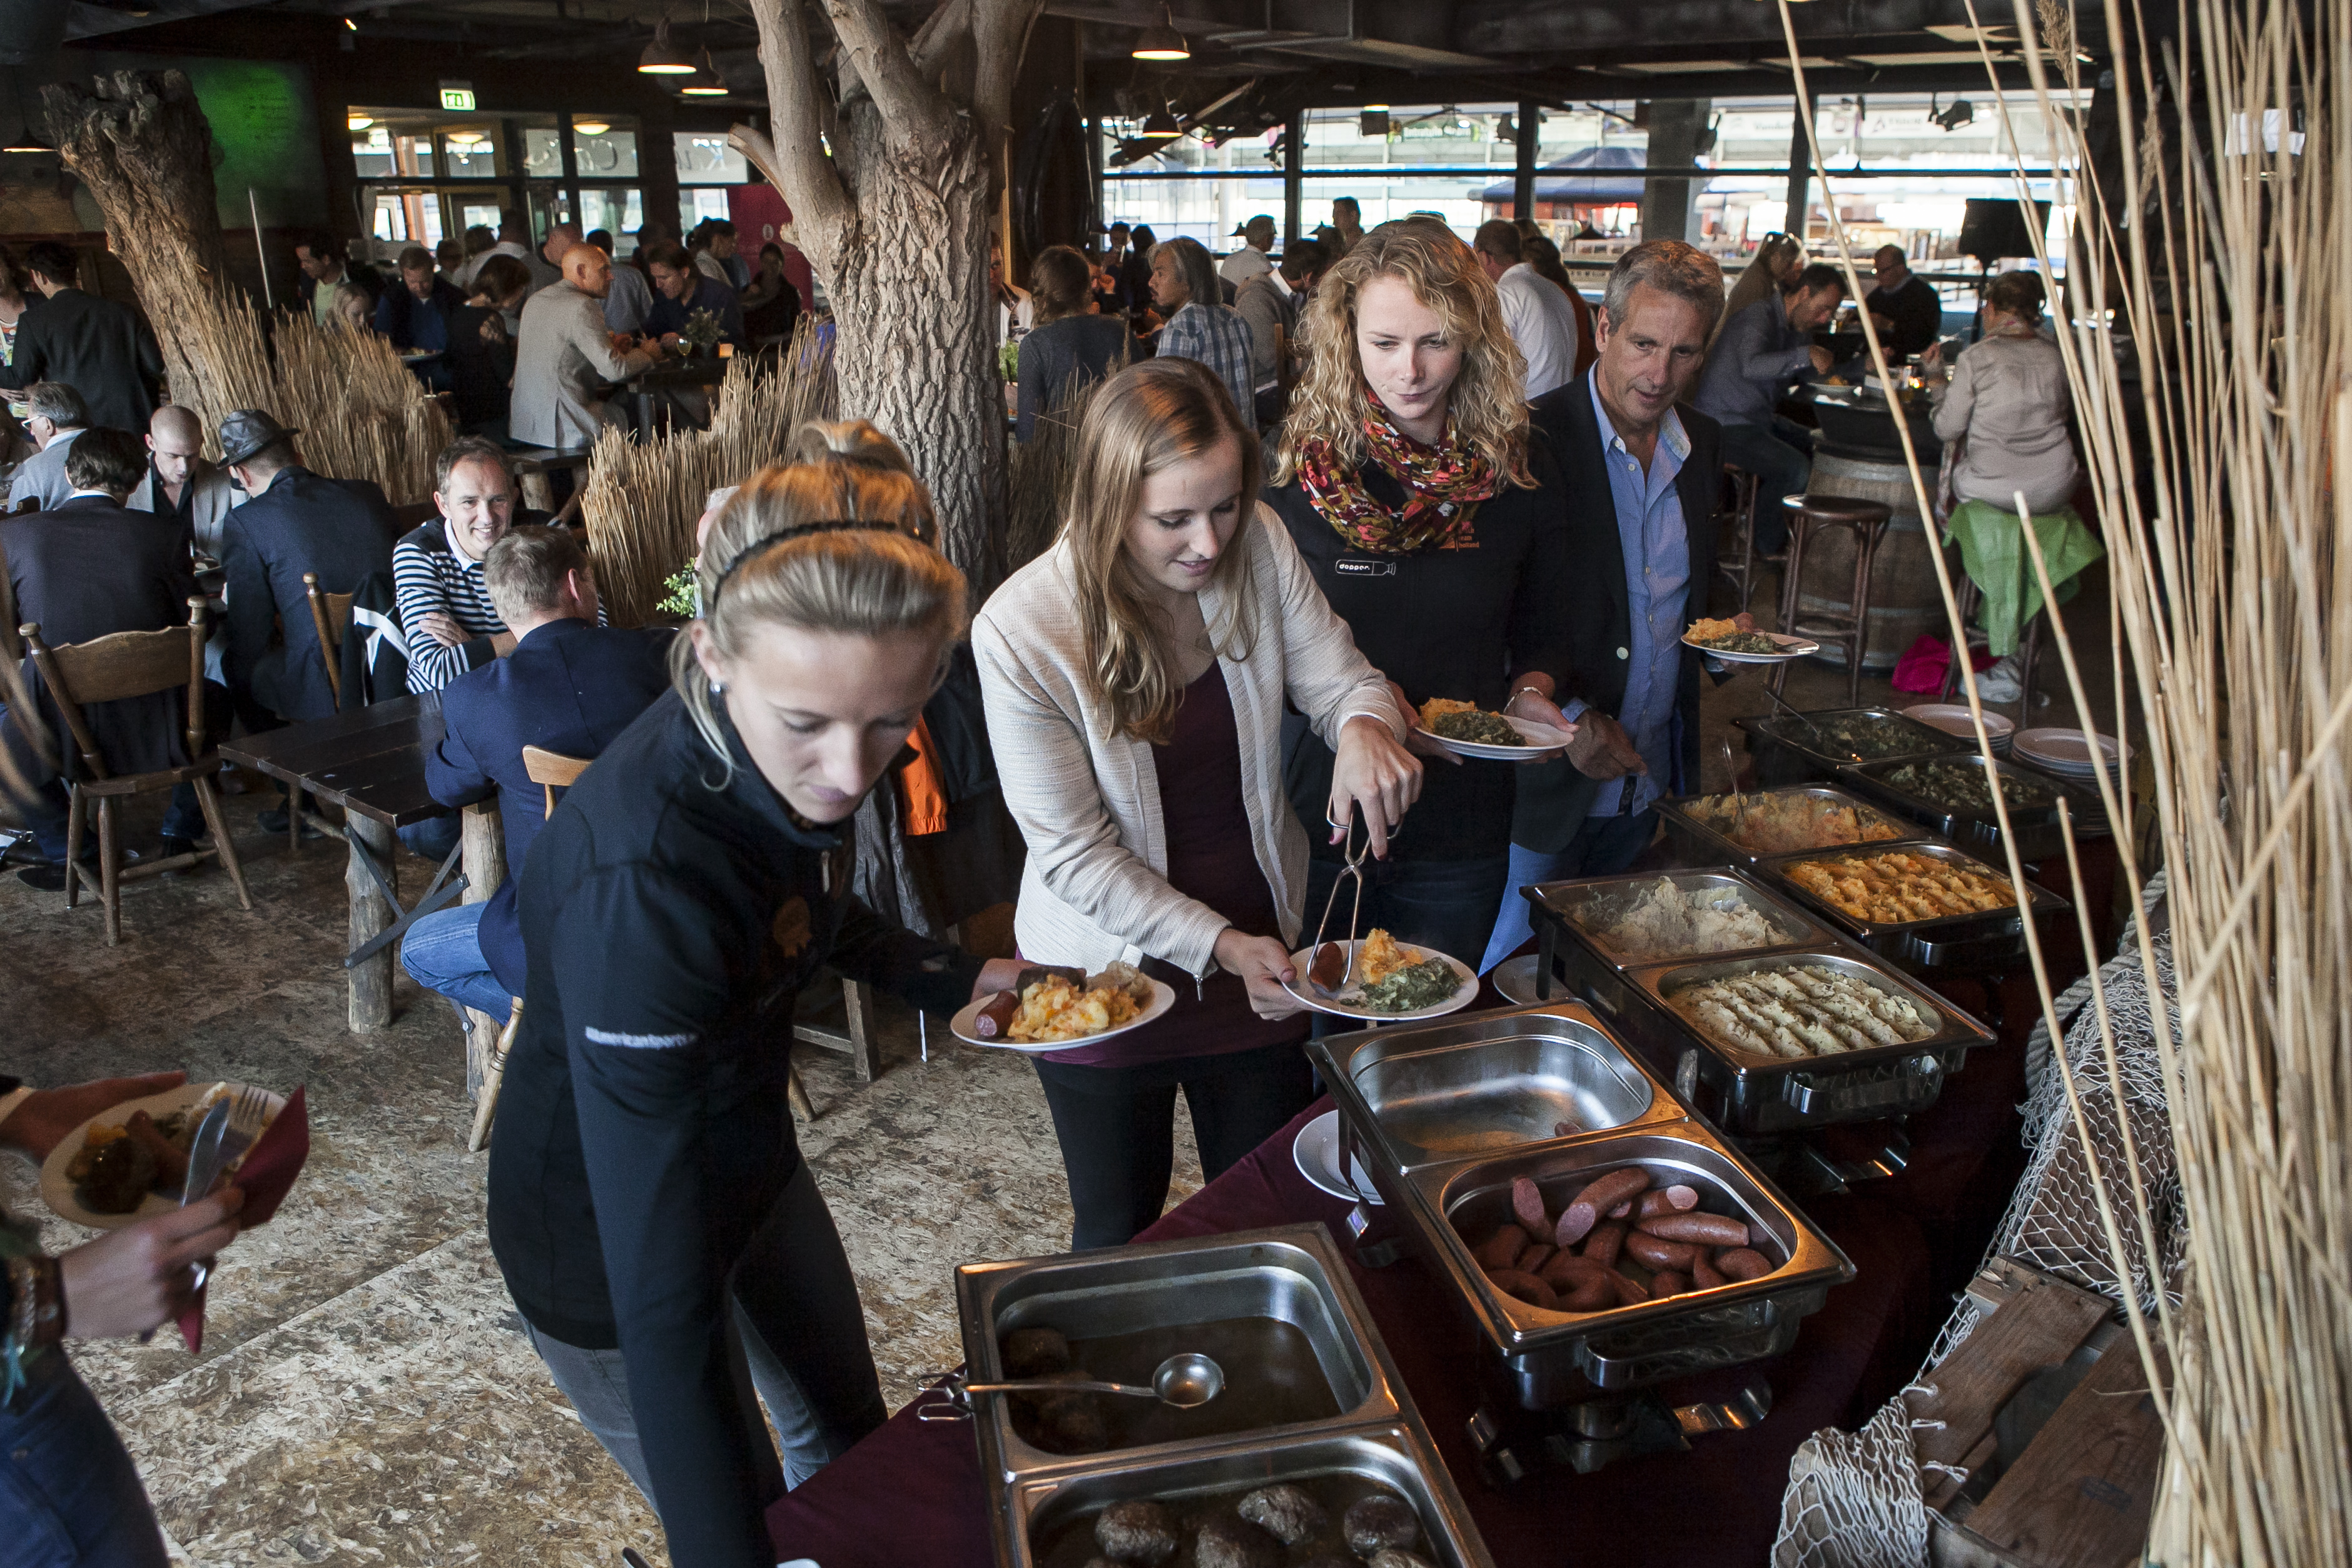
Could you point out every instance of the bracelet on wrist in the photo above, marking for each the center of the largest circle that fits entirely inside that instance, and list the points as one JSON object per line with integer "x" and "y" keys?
{"x": 36, "y": 1302}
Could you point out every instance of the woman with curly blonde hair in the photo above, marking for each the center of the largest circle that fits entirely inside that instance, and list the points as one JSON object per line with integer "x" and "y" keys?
{"x": 1438, "y": 532}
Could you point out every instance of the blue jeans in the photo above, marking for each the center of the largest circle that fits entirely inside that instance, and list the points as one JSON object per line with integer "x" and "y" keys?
{"x": 69, "y": 1496}
{"x": 1448, "y": 905}
{"x": 1781, "y": 469}
{"x": 1602, "y": 846}
{"x": 443, "y": 952}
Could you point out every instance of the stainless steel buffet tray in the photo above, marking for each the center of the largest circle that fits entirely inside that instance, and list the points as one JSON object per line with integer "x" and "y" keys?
{"x": 1307, "y": 1380}
{"x": 1474, "y": 1086}
{"x": 2035, "y": 827}
{"x": 1049, "y": 1519}
{"x": 1974, "y": 938}
{"x": 1788, "y": 750}
{"x": 1703, "y": 843}
{"x": 1752, "y": 1096}
{"x": 1555, "y": 1358}
{"x": 1588, "y": 906}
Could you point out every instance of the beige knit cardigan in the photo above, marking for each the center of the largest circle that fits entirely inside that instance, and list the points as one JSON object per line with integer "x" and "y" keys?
{"x": 1087, "y": 801}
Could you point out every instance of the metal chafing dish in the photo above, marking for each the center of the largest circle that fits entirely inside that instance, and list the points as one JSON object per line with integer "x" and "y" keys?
{"x": 1788, "y": 751}
{"x": 1050, "y": 1518}
{"x": 1976, "y": 940}
{"x": 1550, "y": 1359}
{"x": 1755, "y": 1096}
{"x": 1586, "y": 907}
{"x": 1703, "y": 844}
{"x": 1478, "y": 1086}
{"x": 2035, "y": 827}
{"x": 1306, "y": 1375}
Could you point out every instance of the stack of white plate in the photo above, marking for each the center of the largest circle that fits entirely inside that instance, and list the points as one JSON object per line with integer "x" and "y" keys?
{"x": 2077, "y": 756}
{"x": 1953, "y": 718}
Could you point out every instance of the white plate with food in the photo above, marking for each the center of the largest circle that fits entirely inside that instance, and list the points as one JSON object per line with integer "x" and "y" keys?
{"x": 1056, "y": 1007}
{"x": 1389, "y": 982}
{"x": 108, "y": 1190}
{"x": 1459, "y": 727}
{"x": 1723, "y": 640}
{"x": 1316, "y": 1151}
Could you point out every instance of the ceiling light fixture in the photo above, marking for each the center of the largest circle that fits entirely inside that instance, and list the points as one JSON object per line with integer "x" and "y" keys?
{"x": 361, "y": 122}
{"x": 705, "y": 82}
{"x": 466, "y": 138}
{"x": 662, "y": 58}
{"x": 28, "y": 140}
{"x": 590, "y": 127}
{"x": 1162, "y": 126}
{"x": 1161, "y": 41}
{"x": 354, "y": 26}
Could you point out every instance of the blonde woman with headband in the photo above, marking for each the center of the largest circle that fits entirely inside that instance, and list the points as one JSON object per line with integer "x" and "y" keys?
{"x": 1136, "y": 675}
{"x": 1435, "y": 525}
{"x": 647, "y": 1204}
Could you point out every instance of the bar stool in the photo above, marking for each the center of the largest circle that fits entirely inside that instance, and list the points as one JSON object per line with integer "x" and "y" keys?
{"x": 2029, "y": 646}
{"x": 1735, "y": 555}
{"x": 1867, "y": 521}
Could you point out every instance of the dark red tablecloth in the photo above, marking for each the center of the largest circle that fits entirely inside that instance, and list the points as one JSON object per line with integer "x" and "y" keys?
{"x": 911, "y": 1493}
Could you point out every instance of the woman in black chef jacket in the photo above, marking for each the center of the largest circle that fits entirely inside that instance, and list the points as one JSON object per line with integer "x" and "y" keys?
{"x": 1436, "y": 528}
{"x": 648, "y": 1202}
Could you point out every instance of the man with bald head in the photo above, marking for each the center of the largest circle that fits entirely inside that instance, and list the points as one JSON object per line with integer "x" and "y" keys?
{"x": 180, "y": 485}
{"x": 567, "y": 356}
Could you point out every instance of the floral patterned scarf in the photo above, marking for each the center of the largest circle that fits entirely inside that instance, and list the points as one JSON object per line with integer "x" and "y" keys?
{"x": 1444, "y": 486}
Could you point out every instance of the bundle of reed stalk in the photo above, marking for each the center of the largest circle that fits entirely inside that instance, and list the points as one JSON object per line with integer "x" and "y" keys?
{"x": 2205, "y": 337}
{"x": 361, "y": 414}
{"x": 641, "y": 499}
{"x": 1037, "y": 477}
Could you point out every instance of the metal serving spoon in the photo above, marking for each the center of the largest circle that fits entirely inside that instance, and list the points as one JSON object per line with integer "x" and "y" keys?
{"x": 1185, "y": 1381}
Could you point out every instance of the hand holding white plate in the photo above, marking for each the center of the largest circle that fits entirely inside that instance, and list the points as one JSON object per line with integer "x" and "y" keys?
{"x": 1790, "y": 648}
{"x": 1464, "y": 992}
{"x": 1543, "y": 743}
{"x": 1162, "y": 999}
{"x": 62, "y": 1193}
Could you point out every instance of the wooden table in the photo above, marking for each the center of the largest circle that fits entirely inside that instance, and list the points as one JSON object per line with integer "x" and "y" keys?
{"x": 370, "y": 762}
{"x": 670, "y": 375}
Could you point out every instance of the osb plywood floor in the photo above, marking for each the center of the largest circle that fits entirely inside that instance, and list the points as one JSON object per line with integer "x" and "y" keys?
{"x": 366, "y": 1394}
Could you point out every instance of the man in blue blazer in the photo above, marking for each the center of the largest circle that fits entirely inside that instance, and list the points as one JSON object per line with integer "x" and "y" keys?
{"x": 293, "y": 521}
{"x": 570, "y": 686}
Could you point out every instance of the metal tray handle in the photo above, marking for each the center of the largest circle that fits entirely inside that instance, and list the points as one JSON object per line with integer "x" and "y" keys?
{"x": 1702, "y": 1353}
{"x": 1914, "y": 1084}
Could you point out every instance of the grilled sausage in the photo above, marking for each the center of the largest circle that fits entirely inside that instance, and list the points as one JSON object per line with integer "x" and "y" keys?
{"x": 1704, "y": 1276}
{"x": 1536, "y": 1258}
{"x": 1742, "y": 1263}
{"x": 1525, "y": 1287}
{"x": 996, "y": 1015}
{"x": 1668, "y": 1200}
{"x": 1707, "y": 1229}
{"x": 171, "y": 1164}
{"x": 1591, "y": 1293}
{"x": 1564, "y": 1268}
{"x": 1597, "y": 1199}
{"x": 1667, "y": 1282}
{"x": 1528, "y": 1205}
{"x": 1329, "y": 968}
{"x": 1657, "y": 1252}
{"x": 1630, "y": 1293}
{"x": 1606, "y": 1241}
{"x": 1502, "y": 1250}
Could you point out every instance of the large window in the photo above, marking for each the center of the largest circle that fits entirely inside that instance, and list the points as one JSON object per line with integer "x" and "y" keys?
{"x": 429, "y": 176}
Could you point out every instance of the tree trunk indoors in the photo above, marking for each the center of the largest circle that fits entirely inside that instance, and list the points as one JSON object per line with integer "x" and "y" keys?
{"x": 889, "y": 177}
{"x": 141, "y": 144}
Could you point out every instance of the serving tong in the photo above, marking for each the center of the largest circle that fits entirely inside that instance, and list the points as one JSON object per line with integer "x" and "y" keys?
{"x": 1353, "y": 869}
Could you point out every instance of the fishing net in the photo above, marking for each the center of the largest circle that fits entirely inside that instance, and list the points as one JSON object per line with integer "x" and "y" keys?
{"x": 1854, "y": 1500}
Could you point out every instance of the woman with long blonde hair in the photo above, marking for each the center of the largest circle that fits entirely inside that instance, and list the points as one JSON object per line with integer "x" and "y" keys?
{"x": 1136, "y": 676}
{"x": 1437, "y": 529}
{"x": 648, "y": 1206}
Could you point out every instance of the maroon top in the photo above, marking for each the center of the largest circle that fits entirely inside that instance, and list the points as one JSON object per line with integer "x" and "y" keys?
{"x": 1210, "y": 858}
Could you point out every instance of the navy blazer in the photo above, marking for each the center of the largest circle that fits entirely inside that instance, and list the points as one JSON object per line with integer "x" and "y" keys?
{"x": 570, "y": 687}
{"x": 102, "y": 349}
{"x": 395, "y": 312}
{"x": 341, "y": 529}
{"x": 1554, "y": 798}
{"x": 671, "y": 314}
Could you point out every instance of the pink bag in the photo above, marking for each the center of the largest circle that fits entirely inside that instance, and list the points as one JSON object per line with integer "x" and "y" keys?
{"x": 1924, "y": 664}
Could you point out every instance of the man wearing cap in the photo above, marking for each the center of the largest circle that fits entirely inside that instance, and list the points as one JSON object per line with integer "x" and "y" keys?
{"x": 567, "y": 353}
{"x": 293, "y": 522}
{"x": 1250, "y": 261}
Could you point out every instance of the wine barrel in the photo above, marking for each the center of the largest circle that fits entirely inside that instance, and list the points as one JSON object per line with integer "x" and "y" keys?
{"x": 1904, "y": 598}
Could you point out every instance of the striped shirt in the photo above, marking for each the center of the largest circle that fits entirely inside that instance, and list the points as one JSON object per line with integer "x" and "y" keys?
{"x": 428, "y": 574}
{"x": 1217, "y": 337}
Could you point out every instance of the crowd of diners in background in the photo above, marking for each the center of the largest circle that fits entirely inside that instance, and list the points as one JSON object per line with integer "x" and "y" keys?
{"x": 1392, "y": 466}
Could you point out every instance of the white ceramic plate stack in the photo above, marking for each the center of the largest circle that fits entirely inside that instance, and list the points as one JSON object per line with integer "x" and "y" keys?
{"x": 1953, "y": 718}
{"x": 2076, "y": 755}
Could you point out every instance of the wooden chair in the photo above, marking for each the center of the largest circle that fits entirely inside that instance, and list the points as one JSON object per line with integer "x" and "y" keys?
{"x": 329, "y": 613}
{"x": 112, "y": 669}
{"x": 552, "y": 770}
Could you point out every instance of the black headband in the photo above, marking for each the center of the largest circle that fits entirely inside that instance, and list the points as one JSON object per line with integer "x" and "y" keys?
{"x": 797, "y": 531}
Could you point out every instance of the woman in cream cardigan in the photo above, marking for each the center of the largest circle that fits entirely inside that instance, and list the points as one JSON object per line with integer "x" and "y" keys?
{"x": 1135, "y": 677}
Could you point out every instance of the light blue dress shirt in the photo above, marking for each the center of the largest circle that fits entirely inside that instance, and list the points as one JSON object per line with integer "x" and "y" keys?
{"x": 1656, "y": 546}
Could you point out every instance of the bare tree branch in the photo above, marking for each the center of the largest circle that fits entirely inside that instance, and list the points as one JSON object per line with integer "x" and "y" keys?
{"x": 914, "y": 115}
{"x": 936, "y": 40}
{"x": 795, "y": 162}
{"x": 1000, "y": 28}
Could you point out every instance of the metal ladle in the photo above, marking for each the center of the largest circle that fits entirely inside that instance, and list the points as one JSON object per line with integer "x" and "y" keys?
{"x": 1185, "y": 1381}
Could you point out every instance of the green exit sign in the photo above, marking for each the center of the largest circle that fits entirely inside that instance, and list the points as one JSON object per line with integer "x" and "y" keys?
{"x": 458, "y": 99}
